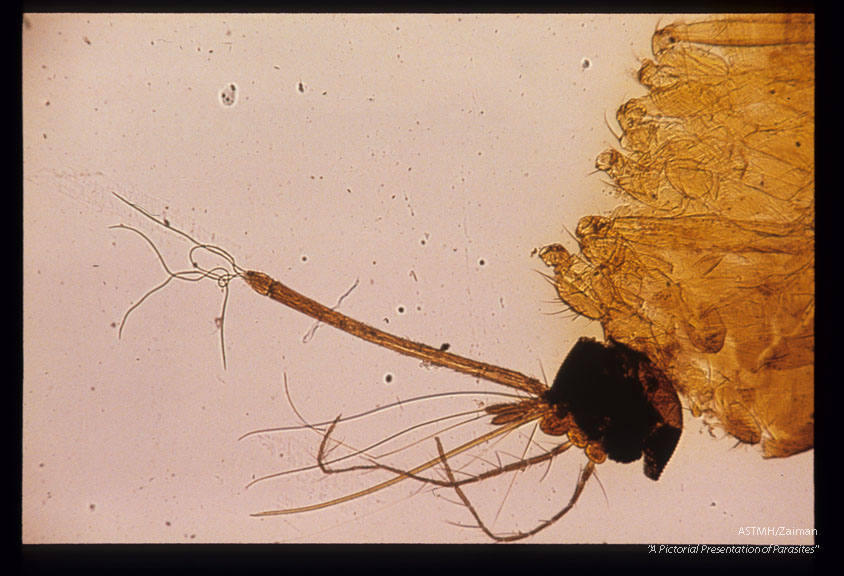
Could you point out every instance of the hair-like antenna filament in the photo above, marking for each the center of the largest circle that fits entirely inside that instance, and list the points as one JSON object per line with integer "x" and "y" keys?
{"x": 400, "y": 474}
{"x": 317, "y": 428}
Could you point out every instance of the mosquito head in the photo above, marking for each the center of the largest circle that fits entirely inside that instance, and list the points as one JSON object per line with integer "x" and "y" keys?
{"x": 617, "y": 403}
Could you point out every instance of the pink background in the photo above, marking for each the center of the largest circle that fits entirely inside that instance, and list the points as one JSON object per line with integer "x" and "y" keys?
{"x": 476, "y": 134}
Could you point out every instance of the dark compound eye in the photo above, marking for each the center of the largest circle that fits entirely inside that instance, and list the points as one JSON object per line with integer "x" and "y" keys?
{"x": 621, "y": 400}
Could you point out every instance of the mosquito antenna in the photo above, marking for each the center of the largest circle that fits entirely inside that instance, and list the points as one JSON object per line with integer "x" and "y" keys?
{"x": 378, "y": 409}
{"x": 399, "y": 477}
{"x": 363, "y": 451}
{"x": 495, "y": 436}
